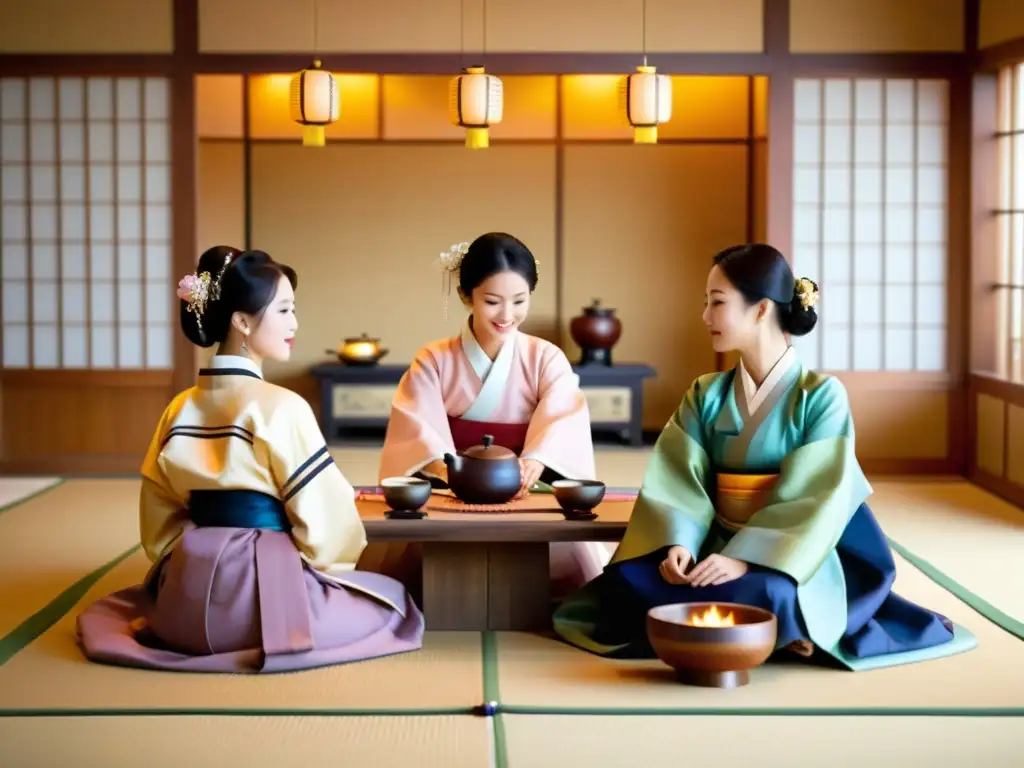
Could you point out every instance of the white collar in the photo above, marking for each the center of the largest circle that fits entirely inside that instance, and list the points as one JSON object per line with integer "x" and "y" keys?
{"x": 235, "y": 361}
{"x": 755, "y": 395}
{"x": 478, "y": 359}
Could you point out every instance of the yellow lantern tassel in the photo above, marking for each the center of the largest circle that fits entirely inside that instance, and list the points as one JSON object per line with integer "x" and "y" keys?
{"x": 478, "y": 138}
{"x": 645, "y": 134}
{"x": 313, "y": 136}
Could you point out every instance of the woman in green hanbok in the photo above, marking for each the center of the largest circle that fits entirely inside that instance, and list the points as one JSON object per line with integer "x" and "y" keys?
{"x": 754, "y": 495}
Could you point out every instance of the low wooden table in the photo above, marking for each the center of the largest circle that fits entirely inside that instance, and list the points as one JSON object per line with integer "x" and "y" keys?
{"x": 490, "y": 570}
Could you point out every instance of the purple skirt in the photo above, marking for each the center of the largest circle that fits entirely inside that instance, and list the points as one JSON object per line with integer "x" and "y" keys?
{"x": 243, "y": 600}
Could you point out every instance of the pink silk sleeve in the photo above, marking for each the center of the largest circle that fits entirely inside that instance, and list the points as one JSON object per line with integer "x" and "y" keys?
{"x": 559, "y": 435}
{"x": 418, "y": 431}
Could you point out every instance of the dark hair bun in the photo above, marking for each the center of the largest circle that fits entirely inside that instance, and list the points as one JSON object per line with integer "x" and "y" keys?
{"x": 248, "y": 284}
{"x": 492, "y": 253}
{"x": 795, "y": 319}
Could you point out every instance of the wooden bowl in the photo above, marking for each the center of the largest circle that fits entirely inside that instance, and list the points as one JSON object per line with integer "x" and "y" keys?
{"x": 578, "y": 497}
{"x": 712, "y": 656}
{"x": 405, "y": 495}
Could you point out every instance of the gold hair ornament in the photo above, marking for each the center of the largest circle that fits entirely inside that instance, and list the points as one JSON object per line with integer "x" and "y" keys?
{"x": 199, "y": 289}
{"x": 450, "y": 263}
{"x": 807, "y": 292}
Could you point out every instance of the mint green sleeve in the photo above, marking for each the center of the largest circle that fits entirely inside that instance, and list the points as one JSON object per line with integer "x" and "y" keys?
{"x": 819, "y": 488}
{"x": 673, "y": 507}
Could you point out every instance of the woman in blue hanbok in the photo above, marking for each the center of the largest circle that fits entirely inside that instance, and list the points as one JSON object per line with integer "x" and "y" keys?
{"x": 754, "y": 495}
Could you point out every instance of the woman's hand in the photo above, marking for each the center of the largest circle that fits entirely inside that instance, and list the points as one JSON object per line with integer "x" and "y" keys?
{"x": 530, "y": 470}
{"x": 716, "y": 569}
{"x": 673, "y": 567}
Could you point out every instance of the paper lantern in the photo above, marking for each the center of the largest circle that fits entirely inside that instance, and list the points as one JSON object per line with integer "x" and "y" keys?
{"x": 315, "y": 103}
{"x": 476, "y": 101}
{"x": 646, "y": 98}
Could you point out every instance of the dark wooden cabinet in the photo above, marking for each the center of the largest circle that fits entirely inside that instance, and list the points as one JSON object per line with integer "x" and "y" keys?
{"x": 359, "y": 397}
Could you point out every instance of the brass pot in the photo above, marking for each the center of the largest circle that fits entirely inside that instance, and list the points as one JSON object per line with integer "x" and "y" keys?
{"x": 360, "y": 350}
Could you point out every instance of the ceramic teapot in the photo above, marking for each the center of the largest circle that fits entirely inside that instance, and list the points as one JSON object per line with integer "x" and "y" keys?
{"x": 484, "y": 474}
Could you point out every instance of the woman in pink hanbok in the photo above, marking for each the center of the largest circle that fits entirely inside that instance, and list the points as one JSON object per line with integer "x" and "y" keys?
{"x": 493, "y": 379}
{"x": 251, "y": 528}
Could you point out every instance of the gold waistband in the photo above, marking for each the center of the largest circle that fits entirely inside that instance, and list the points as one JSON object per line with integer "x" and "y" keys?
{"x": 739, "y": 497}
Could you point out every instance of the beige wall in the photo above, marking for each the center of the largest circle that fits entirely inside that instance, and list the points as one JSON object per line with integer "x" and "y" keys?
{"x": 1000, "y": 20}
{"x": 874, "y": 26}
{"x": 408, "y": 26}
{"x": 86, "y": 26}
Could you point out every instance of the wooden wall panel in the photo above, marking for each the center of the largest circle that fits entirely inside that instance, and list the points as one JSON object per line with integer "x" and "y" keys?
{"x": 876, "y": 26}
{"x": 86, "y": 26}
{"x": 991, "y": 434}
{"x": 1000, "y": 21}
{"x": 997, "y": 427}
{"x": 1015, "y": 444}
{"x": 83, "y": 405}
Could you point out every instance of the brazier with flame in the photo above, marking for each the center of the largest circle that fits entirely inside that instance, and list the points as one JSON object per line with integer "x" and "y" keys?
{"x": 712, "y": 644}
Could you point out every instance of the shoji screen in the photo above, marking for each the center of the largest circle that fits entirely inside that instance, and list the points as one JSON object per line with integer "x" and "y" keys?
{"x": 870, "y": 221}
{"x": 85, "y": 230}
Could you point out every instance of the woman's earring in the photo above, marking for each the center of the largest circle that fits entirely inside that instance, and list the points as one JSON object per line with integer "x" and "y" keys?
{"x": 245, "y": 349}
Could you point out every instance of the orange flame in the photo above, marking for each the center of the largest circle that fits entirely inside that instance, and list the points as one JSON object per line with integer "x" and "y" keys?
{"x": 712, "y": 618}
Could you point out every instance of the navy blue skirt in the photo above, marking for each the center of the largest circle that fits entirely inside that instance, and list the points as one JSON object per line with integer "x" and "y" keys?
{"x": 878, "y": 621}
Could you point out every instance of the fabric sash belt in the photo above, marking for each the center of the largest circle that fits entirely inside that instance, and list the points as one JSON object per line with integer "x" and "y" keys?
{"x": 739, "y": 497}
{"x": 237, "y": 509}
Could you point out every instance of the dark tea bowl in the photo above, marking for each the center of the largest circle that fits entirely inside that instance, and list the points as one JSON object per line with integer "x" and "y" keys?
{"x": 405, "y": 495}
{"x": 577, "y": 498}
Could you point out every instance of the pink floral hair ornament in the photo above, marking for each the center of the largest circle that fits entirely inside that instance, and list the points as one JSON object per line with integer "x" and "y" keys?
{"x": 197, "y": 290}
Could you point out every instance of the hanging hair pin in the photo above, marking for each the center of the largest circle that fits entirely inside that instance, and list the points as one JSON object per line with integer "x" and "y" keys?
{"x": 807, "y": 291}
{"x": 200, "y": 289}
{"x": 450, "y": 262}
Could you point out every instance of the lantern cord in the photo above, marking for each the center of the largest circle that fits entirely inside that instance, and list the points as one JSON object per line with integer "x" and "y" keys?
{"x": 316, "y": 26}
{"x": 462, "y": 33}
{"x": 644, "y": 31}
{"x": 483, "y": 52}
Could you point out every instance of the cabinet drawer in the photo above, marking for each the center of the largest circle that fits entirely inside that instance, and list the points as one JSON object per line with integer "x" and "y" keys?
{"x": 362, "y": 401}
{"x": 609, "y": 405}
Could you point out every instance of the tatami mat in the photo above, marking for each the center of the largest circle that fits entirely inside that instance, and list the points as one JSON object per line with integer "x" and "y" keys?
{"x": 256, "y": 742}
{"x": 51, "y": 673}
{"x": 16, "y": 489}
{"x": 54, "y": 539}
{"x": 552, "y": 741}
{"x": 541, "y": 674}
{"x": 969, "y": 535}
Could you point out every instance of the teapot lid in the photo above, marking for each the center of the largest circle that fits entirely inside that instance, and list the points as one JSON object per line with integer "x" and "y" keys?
{"x": 488, "y": 450}
{"x": 363, "y": 337}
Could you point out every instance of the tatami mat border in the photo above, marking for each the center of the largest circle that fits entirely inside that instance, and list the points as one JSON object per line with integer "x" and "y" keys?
{"x": 975, "y": 601}
{"x": 35, "y": 494}
{"x": 36, "y": 624}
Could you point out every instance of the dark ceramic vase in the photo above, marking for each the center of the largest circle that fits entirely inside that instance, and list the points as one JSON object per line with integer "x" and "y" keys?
{"x": 596, "y": 331}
